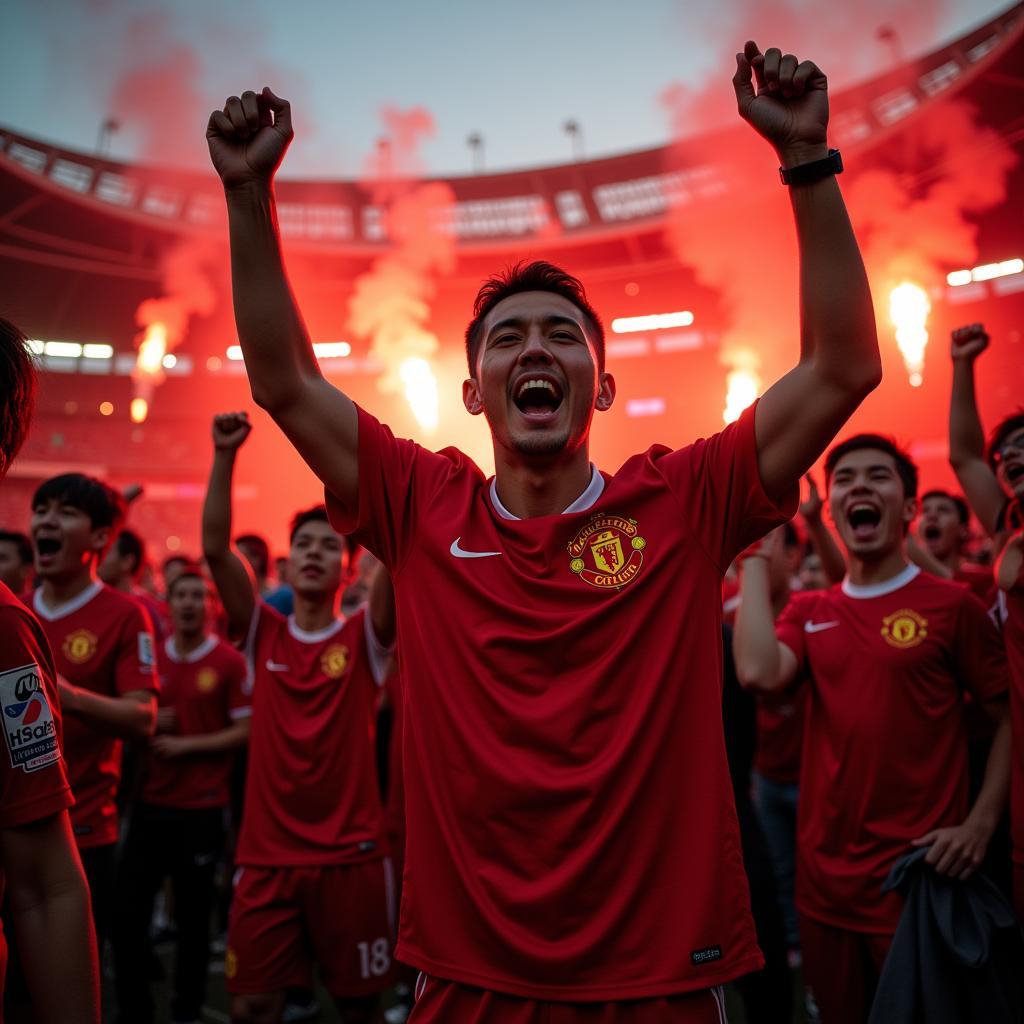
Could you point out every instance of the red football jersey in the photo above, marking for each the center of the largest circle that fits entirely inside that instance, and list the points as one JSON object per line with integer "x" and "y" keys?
{"x": 102, "y": 641}
{"x": 885, "y": 750}
{"x": 312, "y": 795}
{"x": 780, "y": 737}
{"x": 207, "y": 689}
{"x": 33, "y": 784}
{"x": 570, "y": 820}
{"x": 1013, "y": 634}
{"x": 981, "y": 581}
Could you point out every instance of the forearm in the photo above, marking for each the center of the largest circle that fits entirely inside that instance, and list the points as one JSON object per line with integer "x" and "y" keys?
{"x": 217, "y": 507}
{"x": 275, "y": 343}
{"x": 123, "y": 717}
{"x": 837, "y": 318}
{"x": 755, "y": 645}
{"x": 825, "y": 545}
{"x": 991, "y": 801}
{"x": 966, "y": 434}
{"x": 58, "y": 955}
{"x": 223, "y": 741}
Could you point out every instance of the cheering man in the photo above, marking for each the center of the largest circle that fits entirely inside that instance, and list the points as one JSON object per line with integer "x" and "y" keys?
{"x": 570, "y": 829}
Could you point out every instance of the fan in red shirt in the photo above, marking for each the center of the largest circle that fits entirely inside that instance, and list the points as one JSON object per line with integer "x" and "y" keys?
{"x": 42, "y": 883}
{"x": 177, "y": 826}
{"x": 887, "y": 655}
{"x": 944, "y": 529}
{"x": 571, "y": 834}
{"x": 103, "y": 646}
{"x": 314, "y": 883}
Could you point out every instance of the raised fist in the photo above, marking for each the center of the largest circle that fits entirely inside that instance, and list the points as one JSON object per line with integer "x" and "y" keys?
{"x": 810, "y": 507}
{"x": 790, "y": 105}
{"x": 968, "y": 342}
{"x": 248, "y": 138}
{"x": 230, "y": 429}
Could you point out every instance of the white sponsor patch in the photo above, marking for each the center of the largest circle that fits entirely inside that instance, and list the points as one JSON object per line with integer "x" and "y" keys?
{"x": 146, "y": 650}
{"x": 28, "y": 720}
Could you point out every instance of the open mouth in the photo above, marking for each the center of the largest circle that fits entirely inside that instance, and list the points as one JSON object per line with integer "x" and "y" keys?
{"x": 863, "y": 520}
{"x": 931, "y": 532}
{"x": 1015, "y": 472}
{"x": 538, "y": 398}
{"x": 47, "y": 549}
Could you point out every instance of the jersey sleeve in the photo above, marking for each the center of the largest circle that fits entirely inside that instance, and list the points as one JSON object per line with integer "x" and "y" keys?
{"x": 718, "y": 485}
{"x": 980, "y": 656}
{"x": 33, "y": 781}
{"x": 135, "y": 659}
{"x": 396, "y": 479}
{"x": 789, "y": 628}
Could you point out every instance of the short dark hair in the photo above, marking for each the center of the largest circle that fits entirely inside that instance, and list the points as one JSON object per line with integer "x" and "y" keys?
{"x": 962, "y": 511}
{"x": 316, "y": 514}
{"x": 21, "y": 543}
{"x": 130, "y": 545}
{"x": 99, "y": 501}
{"x": 260, "y": 548}
{"x": 17, "y": 392}
{"x": 905, "y": 466}
{"x": 537, "y": 276}
{"x": 1002, "y": 430}
{"x": 171, "y": 559}
{"x": 192, "y": 571}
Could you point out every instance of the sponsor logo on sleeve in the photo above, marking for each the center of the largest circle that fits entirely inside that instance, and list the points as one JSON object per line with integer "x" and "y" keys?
{"x": 28, "y": 720}
{"x": 146, "y": 658}
{"x": 608, "y": 552}
{"x": 904, "y": 629}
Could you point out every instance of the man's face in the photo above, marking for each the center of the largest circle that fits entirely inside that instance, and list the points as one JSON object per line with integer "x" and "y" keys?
{"x": 1010, "y": 463}
{"x": 173, "y": 568}
{"x": 12, "y": 571}
{"x": 868, "y": 505}
{"x": 115, "y": 568}
{"x": 315, "y": 561}
{"x": 189, "y": 605}
{"x": 812, "y": 574}
{"x": 63, "y": 539}
{"x": 939, "y": 528}
{"x": 537, "y": 379}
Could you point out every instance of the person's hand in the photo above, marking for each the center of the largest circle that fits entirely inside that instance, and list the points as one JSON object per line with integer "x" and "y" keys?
{"x": 785, "y": 101}
{"x": 765, "y": 548}
{"x": 169, "y": 747}
{"x": 132, "y": 492}
{"x": 811, "y": 506}
{"x": 248, "y": 138}
{"x": 230, "y": 429}
{"x": 968, "y": 343}
{"x": 166, "y": 719}
{"x": 957, "y": 851}
{"x": 68, "y": 693}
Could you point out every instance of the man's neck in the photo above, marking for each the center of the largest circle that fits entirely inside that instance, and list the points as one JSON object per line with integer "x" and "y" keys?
{"x": 58, "y": 592}
{"x": 314, "y": 613}
{"x": 865, "y": 572}
{"x": 540, "y": 488}
{"x": 186, "y": 643}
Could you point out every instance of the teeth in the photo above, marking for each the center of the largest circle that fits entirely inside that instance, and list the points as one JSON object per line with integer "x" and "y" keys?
{"x": 545, "y": 384}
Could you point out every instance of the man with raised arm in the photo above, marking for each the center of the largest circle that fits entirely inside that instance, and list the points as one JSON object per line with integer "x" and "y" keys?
{"x": 314, "y": 883}
{"x": 571, "y": 836}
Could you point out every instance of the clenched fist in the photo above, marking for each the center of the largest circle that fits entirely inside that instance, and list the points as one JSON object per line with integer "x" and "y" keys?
{"x": 248, "y": 138}
{"x": 230, "y": 429}
{"x": 790, "y": 105}
{"x": 969, "y": 342}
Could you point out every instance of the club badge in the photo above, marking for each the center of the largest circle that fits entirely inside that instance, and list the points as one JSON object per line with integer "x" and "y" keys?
{"x": 79, "y": 646}
{"x": 334, "y": 661}
{"x": 608, "y": 552}
{"x": 904, "y": 629}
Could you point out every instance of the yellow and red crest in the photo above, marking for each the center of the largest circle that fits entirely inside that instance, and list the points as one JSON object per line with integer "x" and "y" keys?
{"x": 904, "y": 629}
{"x": 79, "y": 646}
{"x": 206, "y": 679}
{"x": 608, "y": 552}
{"x": 334, "y": 660}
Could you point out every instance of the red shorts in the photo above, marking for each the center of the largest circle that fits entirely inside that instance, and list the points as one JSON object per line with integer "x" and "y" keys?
{"x": 283, "y": 920}
{"x": 841, "y": 969}
{"x": 446, "y": 1001}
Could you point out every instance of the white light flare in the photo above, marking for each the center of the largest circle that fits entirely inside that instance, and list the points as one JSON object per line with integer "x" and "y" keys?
{"x": 742, "y": 389}
{"x": 420, "y": 391}
{"x": 138, "y": 410}
{"x": 152, "y": 350}
{"x": 652, "y": 322}
{"x": 909, "y": 307}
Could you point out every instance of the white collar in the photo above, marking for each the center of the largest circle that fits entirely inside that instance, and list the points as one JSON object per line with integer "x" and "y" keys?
{"x": 200, "y": 652}
{"x": 586, "y": 500}
{"x": 306, "y": 637}
{"x": 889, "y": 586}
{"x": 44, "y": 611}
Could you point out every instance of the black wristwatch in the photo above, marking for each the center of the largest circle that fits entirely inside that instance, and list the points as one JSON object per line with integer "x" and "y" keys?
{"x": 805, "y": 174}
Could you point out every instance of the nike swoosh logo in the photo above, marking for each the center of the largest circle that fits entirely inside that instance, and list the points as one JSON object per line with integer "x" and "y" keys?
{"x": 274, "y": 666}
{"x": 817, "y": 627}
{"x": 462, "y": 553}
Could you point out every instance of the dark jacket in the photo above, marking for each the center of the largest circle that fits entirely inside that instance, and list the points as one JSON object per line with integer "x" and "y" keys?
{"x": 958, "y": 953}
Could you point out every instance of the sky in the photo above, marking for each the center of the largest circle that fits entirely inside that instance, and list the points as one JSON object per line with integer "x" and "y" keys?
{"x": 514, "y": 73}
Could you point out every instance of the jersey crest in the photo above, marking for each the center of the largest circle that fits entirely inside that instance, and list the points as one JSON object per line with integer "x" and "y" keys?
{"x": 608, "y": 552}
{"x": 334, "y": 661}
{"x": 79, "y": 646}
{"x": 206, "y": 679}
{"x": 904, "y": 629}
